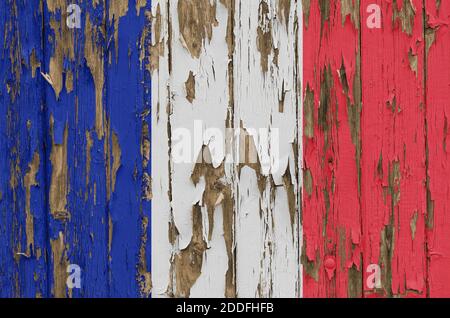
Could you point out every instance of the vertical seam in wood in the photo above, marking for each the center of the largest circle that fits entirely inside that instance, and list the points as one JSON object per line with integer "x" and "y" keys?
{"x": 232, "y": 114}
{"x": 427, "y": 181}
{"x": 107, "y": 50}
{"x": 298, "y": 20}
{"x": 45, "y": 129}
{"x": 172, "y": 279}
{"x": 362, "y": 268}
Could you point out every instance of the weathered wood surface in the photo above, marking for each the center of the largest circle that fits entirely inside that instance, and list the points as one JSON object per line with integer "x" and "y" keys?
{"x": 225, "y": 148}
{"x": 332, "y": 150}
{"x": 437, "y": 76}
{"x": 225, "y": 162}
{"x": 75, "y": 125}
{"x": 393, "y": 160}
{"x": 375, "y": 175}
{"x": 23, "y": 216}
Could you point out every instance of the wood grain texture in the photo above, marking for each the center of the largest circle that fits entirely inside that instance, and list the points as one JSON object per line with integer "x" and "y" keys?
{"x": 229, "y": 218}
{"x": 77, "y": 128}
{"x": 128, "y": 95}
{"x": 331, "y": 211}
{"x": 161, "y": 220}
{"x": 437, "y": 112}
{"x": 393, "y": 158}
{"x": 266, "y": 110}
{"x": 76, "y": 184}
{"x": 23, "y": 219}
{"x": 225, "y": 148}
{"x": 78, "y": 159}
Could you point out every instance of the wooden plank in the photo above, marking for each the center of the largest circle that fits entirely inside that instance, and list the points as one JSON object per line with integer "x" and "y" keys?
{"x": 393, "y": 159}
{"x": 332, "y": 148}
{"x": 160, "y": 67}
{"x": 205, "y": 83}
{"x": 79, "y": 173}
{"x": 223, "y": 111}
{"x": 199, "y": 102}
{"x": 128, "y": 134}
{"x": 101, "y": 221}
{"x": 437, "y": 83}
{"x": 23, "y": 270}
{"x": 266, "y": 111}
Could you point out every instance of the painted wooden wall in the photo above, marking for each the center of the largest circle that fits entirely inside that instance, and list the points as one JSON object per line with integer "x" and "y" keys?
{"x": 225, "y": 148}
{"x": 76, "y": 129}
{"x": 375, "y": 129}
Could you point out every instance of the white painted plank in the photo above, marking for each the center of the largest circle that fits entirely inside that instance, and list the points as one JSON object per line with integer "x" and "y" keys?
{"x": 266, "y": 104}
{"x": 205, "y": 84}
{"x": 161, "y": 205}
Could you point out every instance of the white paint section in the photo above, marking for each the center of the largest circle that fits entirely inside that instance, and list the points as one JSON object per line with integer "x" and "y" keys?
{"x": 203, "y": 121}
{"x": 258, "y": 98}
{"x": 249, "y": 236}
{"x": 207, "y": 111}
{"x": 285, "y": 253}
{"x": 211, "y": 284}
{"x": 161, "y": 205}
{"x": 266, "y": 105}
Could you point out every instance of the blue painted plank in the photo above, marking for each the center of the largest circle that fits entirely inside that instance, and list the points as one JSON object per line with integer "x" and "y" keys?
{"x": 23, "y": 242}
{"x": 78, "y": 150}
{"x": 75, "y": 187}
{"x": 129, "y": 101}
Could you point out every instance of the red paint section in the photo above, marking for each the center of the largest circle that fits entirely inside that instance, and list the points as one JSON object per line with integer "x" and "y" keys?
{"x": 330, "y": 211}
{"x": 438, "y": 112}
{"x": 393, "y": 161}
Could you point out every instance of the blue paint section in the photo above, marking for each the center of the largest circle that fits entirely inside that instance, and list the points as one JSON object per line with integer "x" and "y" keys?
{"x": 85, "y": 230}
{"x": 100, "y": 216}
{"x": 129, "y": 101}
{"x": 23, "y": 243}
{"x": 146, "y": 181}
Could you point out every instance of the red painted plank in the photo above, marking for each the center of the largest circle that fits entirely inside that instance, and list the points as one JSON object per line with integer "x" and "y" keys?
{"x": 393, "y": 160}
{"x": 438, "y": 111}
{"x": 331, "y": 210}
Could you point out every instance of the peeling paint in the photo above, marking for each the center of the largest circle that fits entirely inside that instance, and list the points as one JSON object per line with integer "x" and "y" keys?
{"x": 30, "y": 181}
{"x": 190, "y": 88}
{"x": 188, "y": 263}
{"x": 371, "y": 181}
{"x": 331, "y": 210}
{"x": 196, "y": 19}
{"x": 405, "y": 12}
{"x": 394, "y": 175}
{"x": 94, "y": 58}
{"x": 264, "y": 40}
{"x": 117, "y": 10}
{"x": 60, "y": 263}
{"x": 59, "y": 180}
{"x": 64, "y": 46}
{"x": 156, "y": 49}
{"x": 436, "y": 21}
{"x": 308, "y": 107}
{"x": 117, "y": 154}
{"x": 34, "y": 63}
